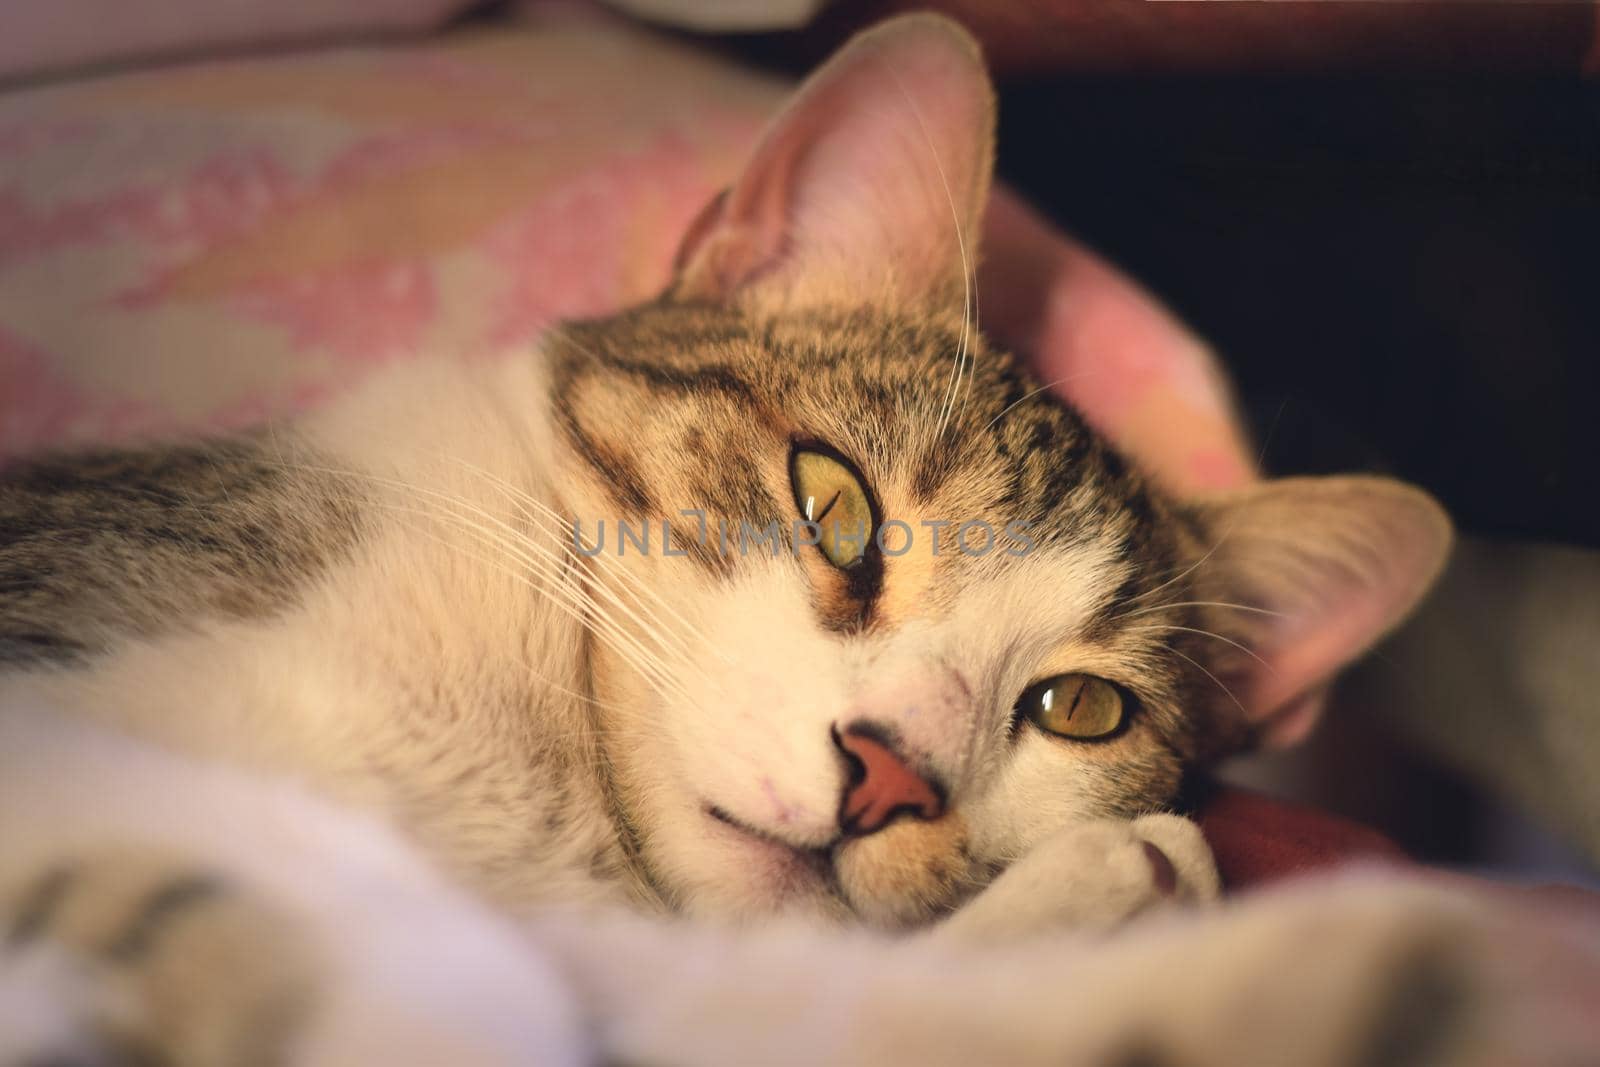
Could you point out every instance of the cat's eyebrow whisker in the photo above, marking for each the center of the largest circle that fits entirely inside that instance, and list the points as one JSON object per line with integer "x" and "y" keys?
{"x": 564, "y": 599}
{"x": 968, "y": 272}
{"x": 1186, "y": 571}
{"x": 680, "y": 650}
{"x": 1199, "y": 604}
{"x": 1035, "y": 392}
{"x": 594, "y": 615}
{"x": 1206, "y": 633}
{"x": 1214, "y": 678}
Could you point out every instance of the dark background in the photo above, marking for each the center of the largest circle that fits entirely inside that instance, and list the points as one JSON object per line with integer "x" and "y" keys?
{"x": 1401, "y": 275}
{"x": 1388, "y": 236}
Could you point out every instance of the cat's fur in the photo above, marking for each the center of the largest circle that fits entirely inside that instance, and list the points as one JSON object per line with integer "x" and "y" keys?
{"x": 233, "y": 664}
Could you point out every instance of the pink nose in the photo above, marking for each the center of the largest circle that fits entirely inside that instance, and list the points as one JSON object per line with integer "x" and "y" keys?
{"x": 882, "y": 787}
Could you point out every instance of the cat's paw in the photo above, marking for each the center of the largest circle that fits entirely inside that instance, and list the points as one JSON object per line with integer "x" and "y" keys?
{"x": 134, "y": 957}
{"x": 1367, "y": 972}
{"x": 131, "y": 957}
{"x": 1092, "y": 875}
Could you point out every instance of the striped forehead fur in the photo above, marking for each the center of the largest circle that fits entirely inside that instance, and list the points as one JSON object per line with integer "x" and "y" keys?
{"x": 871, "y": 384}
{"x": 672, "y": 406}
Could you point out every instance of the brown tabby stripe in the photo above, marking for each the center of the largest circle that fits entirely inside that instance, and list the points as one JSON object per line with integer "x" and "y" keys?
{"x": 36, "y": 908}
{"x": 159, "y": 909}
{"x": 131, "y": 542}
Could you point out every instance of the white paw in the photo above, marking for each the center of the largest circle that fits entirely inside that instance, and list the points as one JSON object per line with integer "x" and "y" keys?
{"x": 1367, "y": 970}
{"x": 208, "y": 917}
{"x": 130, "y": 957}
{"x": 441, "y": 983}
{"x": 1093, "y": 875}
{"x": 54, "y": 1008}
{"x": 1178, "y": 840}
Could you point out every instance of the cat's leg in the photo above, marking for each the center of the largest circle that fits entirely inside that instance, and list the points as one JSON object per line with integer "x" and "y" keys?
{"x": 1348, "y": 973}
{"x": 193, "y": 915}
{"x": 135, "y": 955}
{"x": 1093, "y": 875}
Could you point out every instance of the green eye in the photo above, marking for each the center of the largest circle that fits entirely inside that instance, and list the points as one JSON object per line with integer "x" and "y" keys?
{"x": 830, "y": 494}
{"x": 1079, "y": 706}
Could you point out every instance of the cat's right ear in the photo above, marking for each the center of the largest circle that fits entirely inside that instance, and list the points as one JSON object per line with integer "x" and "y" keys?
{"x": 1314, "y": 571}
{"x": 869, "y": 186}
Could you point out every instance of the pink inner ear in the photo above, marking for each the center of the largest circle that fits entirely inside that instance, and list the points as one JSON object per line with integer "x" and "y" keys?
{"x": 1340, "y": 561}
{"x": 1293, "y": 722}
{"x": 870, "y": 183}
{"x": 1287, "y": 693}
{"x": 701, "y": 227}
{"x": 1317, "y": 647}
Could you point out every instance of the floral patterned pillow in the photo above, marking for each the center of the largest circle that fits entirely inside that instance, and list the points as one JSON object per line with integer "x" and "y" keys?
{"x": 202, "y": 246}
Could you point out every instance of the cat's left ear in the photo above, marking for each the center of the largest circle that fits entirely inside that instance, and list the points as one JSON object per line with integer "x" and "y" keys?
{"x": 869, "y": 186}
{"x": 1322, "y": 568}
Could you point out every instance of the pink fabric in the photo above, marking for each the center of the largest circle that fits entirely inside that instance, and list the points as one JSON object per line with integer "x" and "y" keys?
{"x": 58, "y": 34}
{"x": 1136, "y": 372}
{"x": 1021, "y": 35}
{"x": 1353, "y": 36}
{"x": 200, "y": 247}
{"x": 205, "y": 246}
{"x": 1258, "y": 839}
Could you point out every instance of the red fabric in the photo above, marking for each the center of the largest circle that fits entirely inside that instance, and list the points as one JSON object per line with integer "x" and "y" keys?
{"x": 1026, "y": 37}
{"x": 1258, "y": 839}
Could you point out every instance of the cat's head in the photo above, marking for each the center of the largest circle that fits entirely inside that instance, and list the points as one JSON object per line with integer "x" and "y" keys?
{"x": 1023, "y": 631}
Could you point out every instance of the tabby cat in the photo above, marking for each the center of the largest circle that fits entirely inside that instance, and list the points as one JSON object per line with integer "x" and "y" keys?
{"x": 396, "y": 734}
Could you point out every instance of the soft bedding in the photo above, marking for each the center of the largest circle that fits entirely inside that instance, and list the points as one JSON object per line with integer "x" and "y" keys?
{"x": 206, "y": 245}
{"x": 202, "y": 247}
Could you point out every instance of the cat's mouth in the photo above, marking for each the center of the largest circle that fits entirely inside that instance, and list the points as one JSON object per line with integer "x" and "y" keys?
{"x": 909, "y": 874}
{"x": 818, "y": 860}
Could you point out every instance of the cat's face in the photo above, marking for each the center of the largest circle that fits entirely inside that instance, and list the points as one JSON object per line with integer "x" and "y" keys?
{"x": 997, "y": 629}
{"x": 1006, "y": 546}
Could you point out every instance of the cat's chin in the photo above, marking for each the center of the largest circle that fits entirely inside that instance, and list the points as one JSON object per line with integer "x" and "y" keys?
{"x": 772, "y": 875}
{"x": 901, "y": 877}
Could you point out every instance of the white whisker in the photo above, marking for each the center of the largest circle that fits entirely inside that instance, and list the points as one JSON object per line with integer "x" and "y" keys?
{"x": 527, "y": 500}
{"x": 1033, "y": 393}
{"x": 968, "y": 300}
{"x": 1187, "y": 570}
{"x": 574, "y": 602}
{"x": 1214, "y": 678}
{"x": 1207, "y": 633}
{"x": 1199, "y": 604}
{"x": 547, "y": 563}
